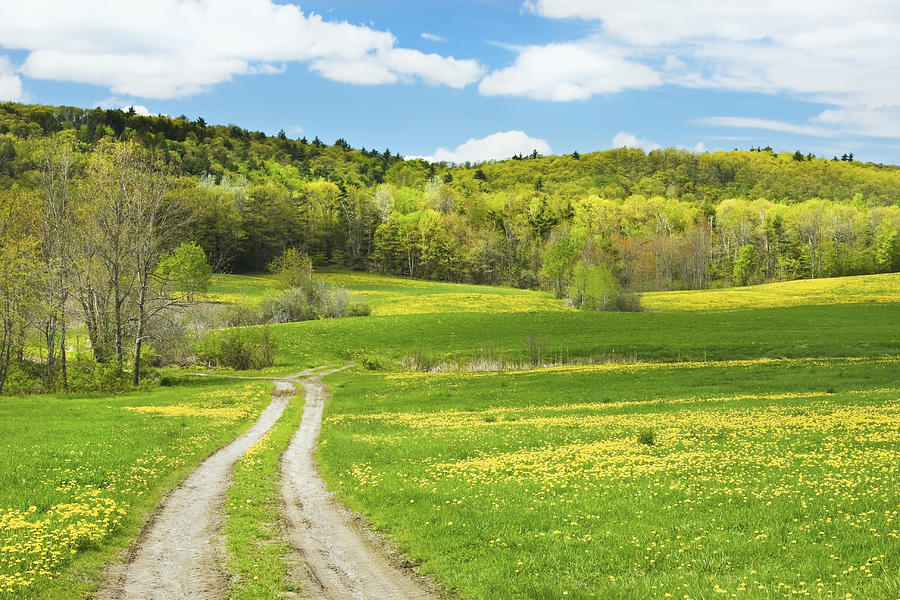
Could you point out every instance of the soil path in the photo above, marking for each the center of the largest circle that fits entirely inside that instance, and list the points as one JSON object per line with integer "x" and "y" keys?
{"x": 178, "y": 554}
{"x": 339, "y": 558}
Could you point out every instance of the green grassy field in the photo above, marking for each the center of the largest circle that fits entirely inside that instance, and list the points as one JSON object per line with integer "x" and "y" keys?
{"x": 746, "y": 479}
{"x": 452, "y": 325}
{"x": 79, "y": 474}
{"x": 772, "y": 413}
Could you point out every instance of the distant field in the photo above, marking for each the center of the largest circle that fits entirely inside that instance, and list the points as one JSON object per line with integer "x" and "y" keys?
{"x": 396, "y": 296}
{"x": 805, "y": 292}
{"x": 78, "y": 474}
{"x": 239, "y": 289}
{"x": 455, "y": 325}
{"x": 751, "y": 479}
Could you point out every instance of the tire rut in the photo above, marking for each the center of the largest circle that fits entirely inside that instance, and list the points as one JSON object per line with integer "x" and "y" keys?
{"x": 178, "y": 554}
{"x": 338, "y": 560}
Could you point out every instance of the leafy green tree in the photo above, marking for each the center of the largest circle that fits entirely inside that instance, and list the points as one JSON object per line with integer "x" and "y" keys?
{"x": 887, "y": 248}
{"x": 593, "y": 287}
{"x": 292, "y": 269}
{"x": 559, "y": 261}
{"x": 746, "y": 264}
{"x": 185, "y": 269}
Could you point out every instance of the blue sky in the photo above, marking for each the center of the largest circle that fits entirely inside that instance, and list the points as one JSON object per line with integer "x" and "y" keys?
{"x": 480, "y": 79}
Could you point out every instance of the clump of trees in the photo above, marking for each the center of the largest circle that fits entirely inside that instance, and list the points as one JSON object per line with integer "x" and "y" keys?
{"x": 95, "y": 239}
{"x": 305, "y": 299}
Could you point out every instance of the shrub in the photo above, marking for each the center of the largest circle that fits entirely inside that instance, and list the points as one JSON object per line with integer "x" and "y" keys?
{"x": 293, "y": 268}
{"x": 239, "y": 349}
{"x": 647, "y": 436}
{"x": 308, "y": 302}
{"x": 537, "y": 348}
{"x": 595, "y": 288}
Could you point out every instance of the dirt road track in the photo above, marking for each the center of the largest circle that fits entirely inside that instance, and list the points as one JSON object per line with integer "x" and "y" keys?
{"x": 338, "y": 561}
{"x": 178, "y": 555}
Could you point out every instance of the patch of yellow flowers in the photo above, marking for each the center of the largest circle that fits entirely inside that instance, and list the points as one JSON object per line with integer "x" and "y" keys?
{"x": 35, "y": 544}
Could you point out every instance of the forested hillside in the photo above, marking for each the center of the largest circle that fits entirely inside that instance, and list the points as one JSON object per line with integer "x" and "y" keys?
{"x": 666, "y": 219}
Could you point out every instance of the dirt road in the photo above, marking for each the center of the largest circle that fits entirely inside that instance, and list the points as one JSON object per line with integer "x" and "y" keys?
{"x": 338, "y": 560}
{"x": 179, "y": 552}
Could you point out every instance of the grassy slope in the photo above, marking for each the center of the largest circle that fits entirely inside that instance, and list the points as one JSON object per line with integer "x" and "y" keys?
{"x": 455, "y": 323}
{"x": 816, "y": 292}
{"x": 79, "y": 474}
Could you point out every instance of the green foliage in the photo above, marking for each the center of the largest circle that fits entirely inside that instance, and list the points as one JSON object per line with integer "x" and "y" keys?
{"x": 240, "y": 349}
{"x": 595, "y": 288}
{"x": 186, "y": 269}
{"x": 746, "y": 264}
{"x": 887, "y": 248}
{"x": 646, "y": 436}
{"x": 292, "y": 269}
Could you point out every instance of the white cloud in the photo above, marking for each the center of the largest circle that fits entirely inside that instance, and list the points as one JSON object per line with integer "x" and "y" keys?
{"x": 624, "y": 139}
{"x": 431, "y": 37}
{"x": 769, "y": 124}
{"x": 124, "y": 105}
{"x": 564, "y": 72}
{"x": 432, "y": 68}
{"x": 497, "y": 146}
{"x": 295, "y": 131}
{"x": 10, "y": 84}
{"x": 838, "y": 53}
{"x": 698, "y": 148}
{"x": 175, "y": 48}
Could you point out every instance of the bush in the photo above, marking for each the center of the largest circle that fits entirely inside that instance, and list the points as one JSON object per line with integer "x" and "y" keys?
{"x": 646, "y": 436}
{"x": 595, "y": 288}
{"x": 239, "y": 349}
{"x": 90, "y": 376}
{"x": 313, "y": 301}
{"x": 293, "y": 268}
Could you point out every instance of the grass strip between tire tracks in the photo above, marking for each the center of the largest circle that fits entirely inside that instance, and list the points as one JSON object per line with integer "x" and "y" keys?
{"x": 256, "y": 551}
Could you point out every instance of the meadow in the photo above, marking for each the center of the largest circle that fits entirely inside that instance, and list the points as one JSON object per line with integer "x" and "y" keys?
{"x": 451, "y": 326}
{"x": 79, "y": 474}
{"x": 725, "y": 443}
{"x": 741, "y": 479}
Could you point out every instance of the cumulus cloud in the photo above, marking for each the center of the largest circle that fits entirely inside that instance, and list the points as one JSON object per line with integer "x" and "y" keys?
{"x": 175, "y": 48}
{"x": 837, "y": 53}
{"x": 431, "y": 37}
{"x": 623, "y": 139}
{"x": 125, "y": 105}
{"x": 563, "y": 72}
{"x": 497, "y": 146}
{"x": 10, "y": 83}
